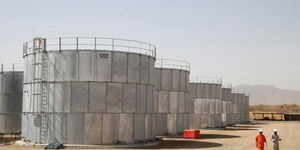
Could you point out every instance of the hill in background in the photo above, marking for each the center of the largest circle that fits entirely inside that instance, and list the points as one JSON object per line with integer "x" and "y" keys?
{"x": 270, "y": 95}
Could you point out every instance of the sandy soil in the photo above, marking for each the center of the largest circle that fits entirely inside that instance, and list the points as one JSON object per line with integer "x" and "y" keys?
{"x": 239, "y": 137}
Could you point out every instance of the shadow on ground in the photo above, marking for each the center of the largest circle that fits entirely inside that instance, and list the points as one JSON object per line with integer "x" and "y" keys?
{"x": 245, "y": 126}
{"x": 259, "y": 123}
{"x": 239, "y": 129}
{"x": 217, "y": 136}
{"x": 7, "y": 140}
{"x": 182, "y": 144}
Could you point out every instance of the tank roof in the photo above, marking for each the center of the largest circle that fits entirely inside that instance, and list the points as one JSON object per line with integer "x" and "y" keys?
{"x": 206, "y": 80}
{"x": 172, "y": 64}
{"x": 92, "y": 43}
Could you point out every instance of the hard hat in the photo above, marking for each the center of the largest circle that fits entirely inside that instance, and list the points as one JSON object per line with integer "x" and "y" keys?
{"x": 260, "y": 130}
{"x": 275, "y": 130}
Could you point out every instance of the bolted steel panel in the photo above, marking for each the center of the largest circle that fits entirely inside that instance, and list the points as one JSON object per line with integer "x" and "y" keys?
{"x": 161, "y": 124}
{"x": 75, "y": 128}
{"x": 157, "y": 79}
{"x": 103, "y": 66}
{"x": 149, "y": 99}
{"x": 172, "y": 124}
{"x": 92, "y": 128}
{"x": 60, "y": 95}
{"x": 174, "y": 102}
{"x": 180, "y": 123}
{"x": 114, "y": 97}
{"x": 163, "y": 101}
{"x": 176, "y": 80}
{"x": 66, "y": 66}
{"x": 183, "y": 80}
{"x": 155, "y": 102}
{"x": 212, "y": 106}
{"x": 148, "y": 127}
{"x": 200, "y": 90}
{"x": 119, "y": 67}
{"x": 129, "y": 98}
{"x": 97, "y": 97}
{"x": 133, "y": 68}
{"x": 208, "y": 91}
{"x": 139, "y": 127}
{"x": 141, "y": 98}
{"x": 144, "y": 71}
{"x": 86, "y": 66}
{"x": 126, "y": 128}
{"x": 166, "y": 79}
{"x": 79, "y": 97}
{"x": 193, "y": 90}
{"x": 181, "y": 102}
{"x": 197, "y": 106}
{"x": 151, "y": 70}
{"x": 110, "y": 128}
{"x": 186, "y": 102}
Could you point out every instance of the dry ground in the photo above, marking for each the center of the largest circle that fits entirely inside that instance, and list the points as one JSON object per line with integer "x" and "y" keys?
{"x": 239, "y": 137}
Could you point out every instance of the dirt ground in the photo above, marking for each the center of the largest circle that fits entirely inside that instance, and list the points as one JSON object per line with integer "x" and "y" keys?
{"x": 239, "y": 137}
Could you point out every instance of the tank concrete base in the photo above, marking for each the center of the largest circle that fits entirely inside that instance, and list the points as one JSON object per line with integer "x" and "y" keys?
{"x": 79, "y": 146}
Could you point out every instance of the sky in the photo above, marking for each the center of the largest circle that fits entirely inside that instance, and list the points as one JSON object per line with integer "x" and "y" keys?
{"x": 241, "y": 41}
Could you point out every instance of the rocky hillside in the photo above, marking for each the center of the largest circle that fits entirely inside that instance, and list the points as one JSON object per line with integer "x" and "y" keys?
{"x": 270, "y": 95}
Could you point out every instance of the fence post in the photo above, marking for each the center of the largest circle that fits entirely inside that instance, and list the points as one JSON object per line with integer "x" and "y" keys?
{"x": 59, "y": 44}
{"x": 76, "y": 43}
{"x": 113, "y": 44}
{"x": 95, "y": 43}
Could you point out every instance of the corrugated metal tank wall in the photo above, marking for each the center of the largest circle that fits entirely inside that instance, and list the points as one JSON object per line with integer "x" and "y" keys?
{"x": 11, "y": 92}
{"x": 241, "y": 108}
{"x": 207, "y": 105}
{"x": 170, "y": 98}
{"x": 95, "y": 97}
{"x": 238, "y": 106}
{"x": 235, "y": 108}
{"x": 247, "y": 108}
{"x": 226, "y": 102}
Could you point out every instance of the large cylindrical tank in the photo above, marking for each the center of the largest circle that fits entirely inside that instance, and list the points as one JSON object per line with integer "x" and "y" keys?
{"x": 88, "y": 91}
{"x": 226, "y": 102}
{"x": 238, "y": 96}
{"x": 235, "y": 98}
{"x": 171, "y": 95}
{"x": 206, "y": 93}
{"x": 247, "y": 108}
{"x": 11, "y": 92}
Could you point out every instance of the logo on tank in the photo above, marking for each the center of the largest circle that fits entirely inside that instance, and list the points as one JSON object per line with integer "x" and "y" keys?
{"x": 104, "y": 55}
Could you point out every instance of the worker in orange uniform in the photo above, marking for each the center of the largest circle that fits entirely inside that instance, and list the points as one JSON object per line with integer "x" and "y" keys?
{"x": 260, "y": 140}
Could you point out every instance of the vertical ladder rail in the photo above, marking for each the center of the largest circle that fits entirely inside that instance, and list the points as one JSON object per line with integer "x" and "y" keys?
{"x": 40, "y": 94}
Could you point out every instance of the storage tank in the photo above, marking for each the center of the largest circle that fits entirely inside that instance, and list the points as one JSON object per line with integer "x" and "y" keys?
{"x": 237, "y": 105}
{"x": 226, "y": 102}
{"x": 171, "y": 96}
{"x": 241, "y": 107}
{"x": 11, "y": 91}
{"x": 88, "y": 91}
{"x": 206, "y": 93}
{"x": 247, "y": 107}
{"x": 235, "y": 98}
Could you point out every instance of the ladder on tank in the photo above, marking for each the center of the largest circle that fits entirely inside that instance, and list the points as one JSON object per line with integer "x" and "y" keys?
{"x": 41, "y": 96}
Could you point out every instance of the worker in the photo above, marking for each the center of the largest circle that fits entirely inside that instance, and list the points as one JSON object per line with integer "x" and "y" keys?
{"x": 275, "y": 139}
{"x": 260, "y": 140}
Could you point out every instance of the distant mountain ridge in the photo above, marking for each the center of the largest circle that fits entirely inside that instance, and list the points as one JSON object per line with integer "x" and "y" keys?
{"x": 270, "y": 95}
